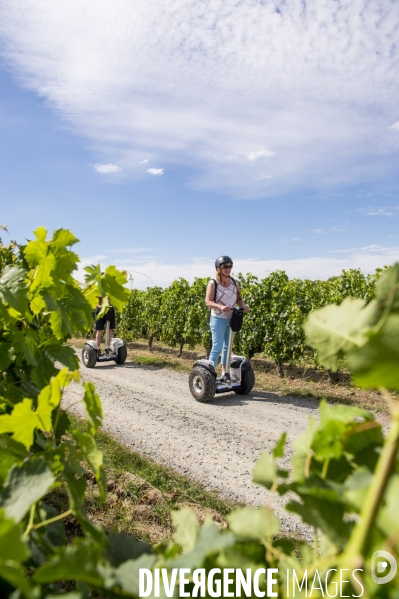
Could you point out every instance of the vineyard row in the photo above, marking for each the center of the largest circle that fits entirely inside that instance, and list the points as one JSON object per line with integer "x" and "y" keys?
{"x": 177, "y": 315}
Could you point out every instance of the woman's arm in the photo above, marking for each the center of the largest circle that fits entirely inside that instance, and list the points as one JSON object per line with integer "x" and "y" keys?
{"x": 240, "y": 302}
{"x": 210, "y": 292}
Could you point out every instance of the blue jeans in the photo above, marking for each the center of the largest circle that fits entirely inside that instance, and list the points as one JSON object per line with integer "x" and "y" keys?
{"x": 220, "y": 328}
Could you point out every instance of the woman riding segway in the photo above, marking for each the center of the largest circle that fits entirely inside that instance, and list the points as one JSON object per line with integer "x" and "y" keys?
{"x": 222, "y": 294}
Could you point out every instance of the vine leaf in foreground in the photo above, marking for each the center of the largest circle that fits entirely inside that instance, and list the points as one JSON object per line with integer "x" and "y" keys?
{"x": 365, "y": 334}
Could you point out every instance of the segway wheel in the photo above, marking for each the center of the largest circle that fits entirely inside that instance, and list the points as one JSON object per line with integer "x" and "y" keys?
{"x": 248, "y": 382}
{"x": 202, "y": 384}
{"x": 121, "y": 355}
{"x": 89, "y": 356}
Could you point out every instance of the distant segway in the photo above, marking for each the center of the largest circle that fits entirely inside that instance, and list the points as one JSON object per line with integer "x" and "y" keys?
{"x": 240, "y": 377}
{"x": 114, "y": 351}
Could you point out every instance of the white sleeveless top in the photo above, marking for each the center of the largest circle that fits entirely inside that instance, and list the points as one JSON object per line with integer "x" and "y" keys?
{"x": 226, "y": 296}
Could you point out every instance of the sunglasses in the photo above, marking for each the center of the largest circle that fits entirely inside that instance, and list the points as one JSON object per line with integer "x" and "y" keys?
{"x": 229, "y": 266}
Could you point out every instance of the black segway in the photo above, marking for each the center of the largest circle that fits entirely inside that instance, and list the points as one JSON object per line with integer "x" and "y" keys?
{"x": 240, "y": 377}
{"x": 114, "y": 350}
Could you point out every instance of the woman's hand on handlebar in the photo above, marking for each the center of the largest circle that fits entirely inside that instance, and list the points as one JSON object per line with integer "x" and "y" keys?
{"x": 243, "y": 308}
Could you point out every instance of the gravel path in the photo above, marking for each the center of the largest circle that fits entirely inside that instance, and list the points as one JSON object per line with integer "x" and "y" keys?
{"x": 152, "y": 411}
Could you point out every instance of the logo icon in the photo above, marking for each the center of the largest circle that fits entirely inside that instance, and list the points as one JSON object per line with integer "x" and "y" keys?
{"x": 381, "y": 566}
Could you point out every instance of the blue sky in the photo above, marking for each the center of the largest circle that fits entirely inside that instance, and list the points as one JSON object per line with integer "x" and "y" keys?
{"x": 166, "y": 133}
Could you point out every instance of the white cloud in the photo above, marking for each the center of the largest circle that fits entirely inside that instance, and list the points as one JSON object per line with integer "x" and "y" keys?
{"x": 382, "y": 211}
{"x": 395, "y": 125}
{"x": 375, "y": 248}
{"x": 155, "y": 171}
{"x": 329, "y": 230}
{"x": 107, "y": 168}
{"x": 260, "y": 154}
{"x": 314, "y": 267}
{"x": 144, "y": 161}
{"x": 315, "y": 82}
{"x": 379, "y": 212}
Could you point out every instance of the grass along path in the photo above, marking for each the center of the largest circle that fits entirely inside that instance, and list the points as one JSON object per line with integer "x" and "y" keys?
{"x": 140, "y": 494}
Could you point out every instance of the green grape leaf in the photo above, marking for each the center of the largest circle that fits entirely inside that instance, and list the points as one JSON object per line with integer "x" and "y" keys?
{"x": 303, "y": 443}
{"x": 12, "y": 547}
{"x": 63, "y": 354}
{"x": 66, "y": 260}
{"x": 324, "y": 514}
{"x": 74, "y": 562}
{"x": 93, "y": 280}
{"x": 256, "y": 524}
{"x": 50, "y": 397}
{"x": 364, "y": 436}
{"x": 14, "y": 574}
{"x": 265, "y": 471}
{"x": 54, "y": 532}
{"x": 366, "y": 335}
{"x": 335, "y": 423}
{"x": 337, "y": 330}
{"x": 186, "y": 527}
{"x": 7, "y": 461}
{"x": 38, "y": 303}
{"x": 375, "y": 364}
{"x": 25, "y": 485}
{"x": 123, "y": 547}
{"x": 76, "y": 488}
{"x": 104, "y": 307}
{"x": 13, "y": 288}
{"x": 70, "y": 595}
{"x": 44, "y": 371}
{"x": 93, "y": 407}
{"x": 63, "y": 238}
{"x": 62, "y": 425}
{"x": 93, "y": 274}
{"x": 109, "y": 286}
{"x": 50, "y": 301}
{"x": 43, "y": 278}
{"x": 119, "y": 276}
{"x": 328, "y": 441}
{"x": 6, "y": 355}
{"x": 209, "y": 540}
{"x": 113, "y": 282}
{"x": 94, "y": 457}
{"x": 21, "y": 423}
{"x": 356, "y": 486}
{"x": 30, "y": 343}
{"x": 73, "y": 314}
{"x": 299, "y": 463}
{"x": 278, "y": 451}
{"x": 127, "y": 575}
{"x": 342, "y": 413}
{"x": 387, "y": 289}
{"x": 387, "y": 519}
